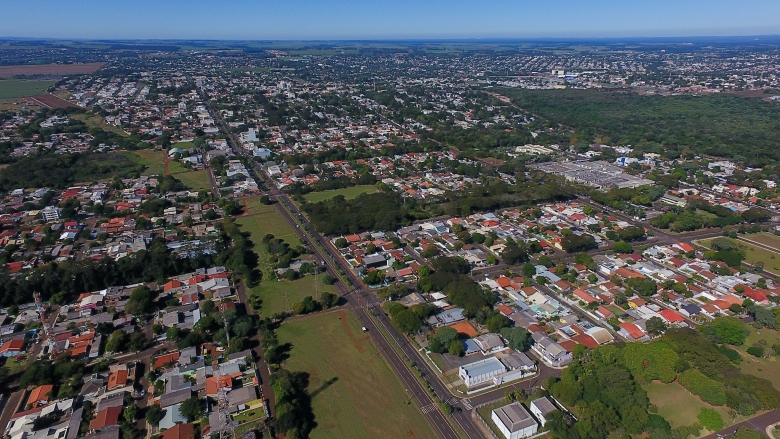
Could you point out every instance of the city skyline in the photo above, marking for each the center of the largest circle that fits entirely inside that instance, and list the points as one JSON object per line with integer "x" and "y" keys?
{"x": 400, "y": 19}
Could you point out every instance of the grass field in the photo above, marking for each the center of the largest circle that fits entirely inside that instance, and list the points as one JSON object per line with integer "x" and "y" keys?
{"x": 678, "y": 406}
{"x": 754, "y": 254}
{"x": 349, "y": 193}
{"x": 766, "y": 239}
{"x": 195, "y": 180}
{"x": 272, "y": 293}
{"x": 97, "y": 121}
{"x": 183, "y": 145}
{"x": 153, "y": 160}
{"x": 768, "y": 368}
{"x": 18, "y": 88}
{"x": 355, "y": 394}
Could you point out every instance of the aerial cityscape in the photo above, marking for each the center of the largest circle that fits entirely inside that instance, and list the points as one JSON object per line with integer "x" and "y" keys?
{"x": 311, "y": 230}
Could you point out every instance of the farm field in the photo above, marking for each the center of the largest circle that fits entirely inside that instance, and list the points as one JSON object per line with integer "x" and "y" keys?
{"x": 754, "y": 254}
{"x": 680, "y": 407}
{"x": 18, "y": 88}
{"x": 346, "y": 404}
{"x": 50, "y": 69}
{"x": 349, "y": 193}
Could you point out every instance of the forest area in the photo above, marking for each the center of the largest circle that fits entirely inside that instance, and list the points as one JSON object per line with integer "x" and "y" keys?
{"x": 743, "y": 129}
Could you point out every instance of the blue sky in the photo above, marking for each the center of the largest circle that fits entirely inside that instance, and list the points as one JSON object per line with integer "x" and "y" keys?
{"x": 369, "y": 19}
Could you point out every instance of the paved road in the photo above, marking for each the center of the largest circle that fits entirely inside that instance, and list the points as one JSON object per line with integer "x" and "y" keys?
{"x": 758, "y": 423}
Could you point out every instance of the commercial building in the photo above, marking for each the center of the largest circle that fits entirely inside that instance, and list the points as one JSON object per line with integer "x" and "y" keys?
{"x": 514, "y": 421}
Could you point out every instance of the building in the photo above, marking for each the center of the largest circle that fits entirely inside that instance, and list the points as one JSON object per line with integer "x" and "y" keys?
{"x": 179, "y": 431}
{"x": 50, "y": 213}
{"x": 105, "y": 418}
{"x": 480, "y": 372}
{"x": 489, "y": 343}
{"x": 540, "y": 408}
{"x": 550, "y": 351}
{"x": 12, "y": 348}
{"x": 514, "y": 421}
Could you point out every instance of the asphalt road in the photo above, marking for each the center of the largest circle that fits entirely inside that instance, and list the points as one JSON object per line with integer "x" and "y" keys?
{"x": 758, "y": 423}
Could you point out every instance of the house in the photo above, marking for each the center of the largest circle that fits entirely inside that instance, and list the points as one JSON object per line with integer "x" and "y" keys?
{"x": 179, "y": 431}
{"x": 631, "y": 331}
{"x": 480, "y": 372}
{"x": 12, "y": 348}
{"x": 39, "y": 396}
{"x": 585, "y": 297}
{"x": 540, "y": 408}
{"x": 105, "y": 418}
{"x": 550, "y": 351}
{"x": 604, "y": 312}
{"x": 690, "y": 310}
{"x": 514, "y": 421}
{"x": 671, "y": 316}
{"x": 117, "y": 379}
{"x": 489, "y": 343}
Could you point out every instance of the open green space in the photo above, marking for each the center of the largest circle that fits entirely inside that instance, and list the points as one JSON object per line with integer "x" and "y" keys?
{"x": 153, "y": 160}
{"x": 355, "y": 393}
{"x": 768, "y": 368}
{"x": 252, "y": 414}
{"x": 18, "y": 88}
{"x": 95, "y": 121}
{"x": 280, "y": 295}
{"x": 261, "y": 220}
{"x": 680, "y": 407}
{"x": 348, "y": 193}
{"x": 766, "y": 239}
{"x": 753, "y": 254}
{"x": 183, "y": 145}
{"x": 195, "y": 180}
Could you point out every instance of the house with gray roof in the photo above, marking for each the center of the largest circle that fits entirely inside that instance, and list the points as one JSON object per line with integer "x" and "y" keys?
{"x": 514, "y": 421}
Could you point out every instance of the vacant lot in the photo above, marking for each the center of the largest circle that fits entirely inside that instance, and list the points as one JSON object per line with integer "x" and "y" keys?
{"x": 94, "y": 120}
{"x": 50, "y": 69}
{"x": 678, "y": 406}
{"x": 754, "y": 254}
{"x": 349, "y": 193}
{"x": 768, "y": 368}
{"x": 16, "y": 88}
{"x": 280, "y": 296}
{"x": 766, "y": 239}
{"x": 195, "y": 180}
{"x": 153, "y": 160}
{"x": 355, "y": 394}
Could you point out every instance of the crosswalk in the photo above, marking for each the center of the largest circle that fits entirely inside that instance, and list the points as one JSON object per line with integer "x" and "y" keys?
{"x": 451, "y": 401}
{"x": 467, "y": 404}
{"x": 428, "y": 408}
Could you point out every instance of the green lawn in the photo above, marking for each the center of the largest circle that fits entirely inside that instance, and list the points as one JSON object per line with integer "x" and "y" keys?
{"x": 765, "y": 238}
{"x": 153, "y": 160}
{"x": 19, "y": 88}
{"x": 678, "y": 406}
{"x": 355, "y": 393}
{"x": 768, "y": 368}
{"x": 195, "y": 180}
{"x": 349, "y": 193}
{"x": 183, "y": 145}
{"x": 754, "y": 254}
{"x": 272, "y": 293}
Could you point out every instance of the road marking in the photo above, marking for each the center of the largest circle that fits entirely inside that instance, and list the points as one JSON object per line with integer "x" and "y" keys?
{"x": 428, "y": 408}
{"x": 467, "y": 404}
{"x": 451, "y": 401}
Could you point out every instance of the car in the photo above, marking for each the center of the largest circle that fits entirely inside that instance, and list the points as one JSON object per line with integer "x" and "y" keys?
{"x": 365, "y": 329}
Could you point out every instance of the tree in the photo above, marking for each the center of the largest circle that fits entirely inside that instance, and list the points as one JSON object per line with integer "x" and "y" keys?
{"x": 173, "y": 334}
{"x": 406, "y": 321}
{"x": 154, "y": 414}
{"x": 756, "y": 351}
{"x": 729, "y": 330}
{"x": 130, "y": 413}
{"x": 736, "y": 308}
{"x": 329, "y": 300}
{"x": 622, "y": 247}
{"x": 655, "y": 326}
{"x": 341, "y": 243}
{"x": 456, "y": 348}
{"x": 137, "y": 341}
{"x": 546, "y": 261}
{"x": 192, "y": 409}
{"x": 529, "y": 270}
{"x": 497, "y": 322}
{"x": 140, "y": 301}
{"x": 763, "y": 317}
{"x": 513, "y": 254}
{"x": 517, "y": 338}
{"x": 118, "y": 341}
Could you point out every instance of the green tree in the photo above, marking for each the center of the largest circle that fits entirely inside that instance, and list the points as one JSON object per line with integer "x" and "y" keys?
{"x": 329, "y": 300}
{"x": 140, "y": 302}
{"x": 130, "y": 413}
{"x": 456, "y": 348}
{"x": 118, "y": 341}
{"x": 622, "y": 247}
{"x": 192, "y": 409}
{"x": 154, "y": 414}
{"x": 529, "y": 270}
{"x": 137, "y": 341}
{"x": 655, "y": 326}
{"x": 517, "y": 338}
{"x": 173, "y": 334}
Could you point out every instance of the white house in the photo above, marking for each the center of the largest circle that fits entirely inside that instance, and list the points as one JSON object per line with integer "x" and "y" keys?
{"x": 540, "y": 408}
{"x": 514, "y": 421}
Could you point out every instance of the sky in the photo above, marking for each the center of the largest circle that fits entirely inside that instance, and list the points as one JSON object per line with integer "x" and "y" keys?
{"x": 388, "y": 19}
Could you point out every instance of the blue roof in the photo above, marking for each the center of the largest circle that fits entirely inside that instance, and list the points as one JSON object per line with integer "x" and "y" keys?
{"x": 470, "y": 346}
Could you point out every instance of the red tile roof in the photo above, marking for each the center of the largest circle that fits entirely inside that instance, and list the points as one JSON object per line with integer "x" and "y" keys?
{"x": 106, "y": 417}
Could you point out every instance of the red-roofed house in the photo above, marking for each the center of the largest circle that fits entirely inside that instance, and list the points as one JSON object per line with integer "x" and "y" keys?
{"x": 105, "y": 418}
{"x": 117, "y": 379}
{"x": 604, "y": 312}
{"x": 671, "y": 316}
{"x": 585, "y": 297}
{"x": 755, "y": 295}
{"x": 631, "y": 331}
{"x": 585, "y": 340}
{"x": 162, "y": 360}
{"x": 11, "y": 348}
{"x": 40, "y": 396}
{"x": 172, "y": 284}
{"x": 683, "y": 246}
{"x": 179, "y": 431}
{"x": 505, "y": 310}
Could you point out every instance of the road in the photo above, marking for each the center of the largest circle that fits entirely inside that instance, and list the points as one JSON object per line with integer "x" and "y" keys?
{"x": 758, "y": 423}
